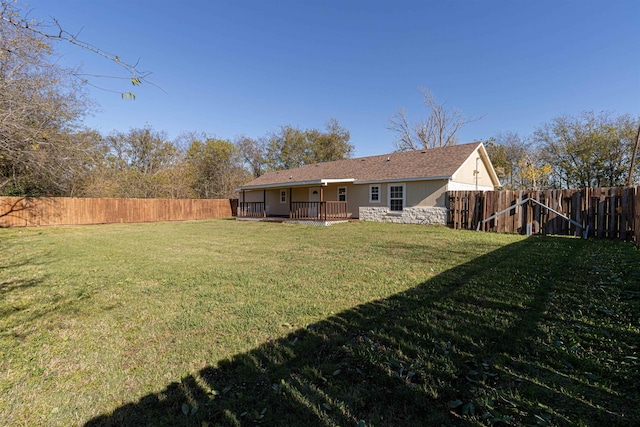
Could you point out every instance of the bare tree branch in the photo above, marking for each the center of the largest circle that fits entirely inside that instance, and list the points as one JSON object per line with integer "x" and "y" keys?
{"x": 399, "y": 124}
{"x": 439, "y": 129}
{"x": 13, "y": 18}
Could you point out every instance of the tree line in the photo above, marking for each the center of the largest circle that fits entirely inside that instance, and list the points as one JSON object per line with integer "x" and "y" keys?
{"x": 145, "y": 163}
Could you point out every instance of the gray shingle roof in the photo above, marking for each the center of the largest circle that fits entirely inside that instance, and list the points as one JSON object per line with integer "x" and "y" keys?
{"x": 435, "y": 162}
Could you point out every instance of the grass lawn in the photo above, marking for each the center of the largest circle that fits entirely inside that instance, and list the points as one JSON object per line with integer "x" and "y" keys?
{"x": 362, "y": 324}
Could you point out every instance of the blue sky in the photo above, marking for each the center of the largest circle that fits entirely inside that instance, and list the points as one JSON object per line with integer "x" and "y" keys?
{"x": 229, "y": 68}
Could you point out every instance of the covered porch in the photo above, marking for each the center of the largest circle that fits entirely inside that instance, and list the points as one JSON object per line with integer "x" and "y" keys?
{"x": 301, "y": 203}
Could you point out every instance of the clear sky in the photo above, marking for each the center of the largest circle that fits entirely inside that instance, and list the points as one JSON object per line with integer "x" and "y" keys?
{"x": 247, "y": 67}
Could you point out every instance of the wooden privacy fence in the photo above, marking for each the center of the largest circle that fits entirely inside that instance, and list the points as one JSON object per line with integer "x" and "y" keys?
{"x": 606, "y": 213}
{"x": 29, "y": 211}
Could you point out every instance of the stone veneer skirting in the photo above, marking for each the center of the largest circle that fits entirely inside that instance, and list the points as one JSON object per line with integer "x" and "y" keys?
{"x": 415, "y": 215}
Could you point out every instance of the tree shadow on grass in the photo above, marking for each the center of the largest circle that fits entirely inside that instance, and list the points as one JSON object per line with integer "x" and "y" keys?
{"x": 17, "y": 283}
{"x": 475, "y": 345}
{"x": 22, "y": 307}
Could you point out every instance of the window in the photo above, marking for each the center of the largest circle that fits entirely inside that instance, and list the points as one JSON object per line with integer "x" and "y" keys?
{"x": 283, "y": 196}
{"x": 374, "y": 194}
{"x": 342, "y": 194}
{"x": 396, "y": 197}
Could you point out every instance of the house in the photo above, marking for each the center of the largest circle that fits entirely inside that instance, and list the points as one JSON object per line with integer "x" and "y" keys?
{"x": 406, "y": 187}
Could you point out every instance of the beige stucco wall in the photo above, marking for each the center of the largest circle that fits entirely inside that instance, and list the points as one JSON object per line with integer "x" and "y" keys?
{"x": 250, "y": 196}
{"x": 301, "y": 194}
{"x": 359, "y": 196}
{"x": 331, "y": 194}
{"x": 427, "y": 193}
{"x": 272, "y": 199}
{"x": 274, "y": 207}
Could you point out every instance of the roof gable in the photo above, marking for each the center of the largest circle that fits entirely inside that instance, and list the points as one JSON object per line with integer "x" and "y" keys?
{"x": 433, "y": 163}
{"x": 481, "y": 154}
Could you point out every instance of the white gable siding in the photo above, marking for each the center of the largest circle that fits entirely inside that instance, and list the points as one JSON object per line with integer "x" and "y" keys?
{"x": 466, "y": 173}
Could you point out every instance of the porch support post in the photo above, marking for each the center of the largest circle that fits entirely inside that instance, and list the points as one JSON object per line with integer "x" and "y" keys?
{"x": 244, "y": 199}
{"x": 264, "y": 203}
{"x": 323, "y": 215}
{"x": 290, "y": 203}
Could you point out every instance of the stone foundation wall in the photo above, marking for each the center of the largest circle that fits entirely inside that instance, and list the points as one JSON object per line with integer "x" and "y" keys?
{"x": 415, "y": 215}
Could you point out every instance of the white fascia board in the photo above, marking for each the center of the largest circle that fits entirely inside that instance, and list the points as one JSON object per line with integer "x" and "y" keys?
{"x": 322, "y": 182}
{"x": 463, "y": 186}
{"x": 382, "y": 181}
{"x": 337, "y": 181}
{"x": 482, "y": 152}
{"x": 492, "y": 171}
{"x": 281, "y": 185}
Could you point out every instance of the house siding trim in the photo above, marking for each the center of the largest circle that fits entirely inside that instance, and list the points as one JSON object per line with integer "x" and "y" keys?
{"x": 461, "y": 186}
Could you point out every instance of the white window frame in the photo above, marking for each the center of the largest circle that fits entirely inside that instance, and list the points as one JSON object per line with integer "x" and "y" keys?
{"x": 345, "y": 194}
{"x": 404, "y": 196}
{"x": 371, "y": 187}
{"x": 283, "y": 200}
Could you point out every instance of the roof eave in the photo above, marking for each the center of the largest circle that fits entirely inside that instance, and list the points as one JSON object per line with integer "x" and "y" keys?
{"x": 422, "y": 178}
{"x": 322, "y": 182}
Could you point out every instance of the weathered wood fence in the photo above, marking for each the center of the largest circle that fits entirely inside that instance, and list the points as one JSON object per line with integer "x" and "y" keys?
{"x": 29, "y": 211}
{"x": 606, "y": 213}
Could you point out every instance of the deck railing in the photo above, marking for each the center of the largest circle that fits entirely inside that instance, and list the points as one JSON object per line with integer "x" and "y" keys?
{"x": 251, "y": 210}
{"x": 322, "y": 211}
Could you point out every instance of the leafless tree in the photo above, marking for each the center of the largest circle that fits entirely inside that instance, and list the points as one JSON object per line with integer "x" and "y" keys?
{"x": 439, "y": 129}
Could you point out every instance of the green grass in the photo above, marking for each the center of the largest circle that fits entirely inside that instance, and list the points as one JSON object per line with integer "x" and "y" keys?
{"x": 242, "y": 323}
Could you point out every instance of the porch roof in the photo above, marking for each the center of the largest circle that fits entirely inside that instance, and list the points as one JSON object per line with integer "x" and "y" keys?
{"x": 434, "y": 163}
{"x": 313, "y": 182}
